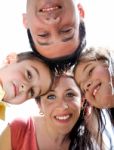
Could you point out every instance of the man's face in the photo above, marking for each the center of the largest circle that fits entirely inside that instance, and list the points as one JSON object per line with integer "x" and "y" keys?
{"x": 54, "y": 26}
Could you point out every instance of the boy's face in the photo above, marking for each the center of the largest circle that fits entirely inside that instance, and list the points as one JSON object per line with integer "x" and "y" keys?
{"x": 61, "y": 106}
{"x": 24, "y": 80}
{"x": 54, "y": 26}
{"x": 94, "y": 79}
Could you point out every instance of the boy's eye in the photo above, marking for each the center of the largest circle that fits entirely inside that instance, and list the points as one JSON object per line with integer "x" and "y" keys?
{"x": 29, "y": 75}
{"x": 51, "y": 97}
{"x": 31, "y": 92}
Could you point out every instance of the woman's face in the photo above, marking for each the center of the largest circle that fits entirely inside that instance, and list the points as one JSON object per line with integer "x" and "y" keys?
{"x": 61, "y": 106}
{"x": 24, "y": 80}
{"x": 94, "y": 79}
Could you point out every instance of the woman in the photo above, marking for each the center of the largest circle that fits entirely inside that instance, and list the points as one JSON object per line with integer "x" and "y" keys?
{"x": 60, "y": 125}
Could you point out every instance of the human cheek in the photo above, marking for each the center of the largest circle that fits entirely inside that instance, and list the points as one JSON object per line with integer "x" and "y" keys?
{"x": 103, "y": 72}
{"x": 89, "y": 97}
{"x": 75, "y": 104}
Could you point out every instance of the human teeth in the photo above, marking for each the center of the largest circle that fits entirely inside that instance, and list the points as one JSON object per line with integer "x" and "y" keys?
{"x": 49, "y": 9}
{"x": 62, "y": 117}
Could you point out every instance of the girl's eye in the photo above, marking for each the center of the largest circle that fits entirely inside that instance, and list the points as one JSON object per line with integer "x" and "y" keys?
{"x": 29, "y": 75}
{"x": 51, "y": 97}
{"x": 90, "y": 71}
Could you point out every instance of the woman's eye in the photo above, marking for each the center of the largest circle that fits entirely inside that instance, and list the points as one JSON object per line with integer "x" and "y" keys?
{"x": 29, "y": 75}
{"x": 70, "y": 94}
{"x": 51, "y": 97}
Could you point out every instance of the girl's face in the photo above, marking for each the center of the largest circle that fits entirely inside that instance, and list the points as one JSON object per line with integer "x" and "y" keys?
{"x": 61, "y": 106}
{"x": 24, "y": 80}
{"x": 94, "y": 79}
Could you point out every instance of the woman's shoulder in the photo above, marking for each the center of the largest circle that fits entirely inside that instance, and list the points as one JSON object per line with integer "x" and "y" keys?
{"x": 21, "y": 124}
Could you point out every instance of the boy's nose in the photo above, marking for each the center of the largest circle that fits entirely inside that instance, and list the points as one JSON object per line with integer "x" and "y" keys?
{"x": 23, "y": 88}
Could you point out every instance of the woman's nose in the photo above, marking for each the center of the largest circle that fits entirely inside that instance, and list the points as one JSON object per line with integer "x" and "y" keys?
{"x": 63, "y": 105}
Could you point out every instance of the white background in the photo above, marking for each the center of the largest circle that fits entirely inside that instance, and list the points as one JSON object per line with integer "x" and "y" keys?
{"x": 99, "y": 18}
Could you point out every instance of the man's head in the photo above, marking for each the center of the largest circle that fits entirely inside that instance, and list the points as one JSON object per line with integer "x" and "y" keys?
{"x": 55, "y": 28}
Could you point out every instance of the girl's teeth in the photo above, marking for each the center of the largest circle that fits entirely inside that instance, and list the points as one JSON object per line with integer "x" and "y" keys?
{"x": 62, "y": 117}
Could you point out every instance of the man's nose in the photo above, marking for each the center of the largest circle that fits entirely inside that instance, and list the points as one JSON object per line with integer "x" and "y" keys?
{"x": 52, "y": 20}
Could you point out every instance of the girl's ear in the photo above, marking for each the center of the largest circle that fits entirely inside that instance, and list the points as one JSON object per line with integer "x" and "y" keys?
{"x": 11, "y": 58}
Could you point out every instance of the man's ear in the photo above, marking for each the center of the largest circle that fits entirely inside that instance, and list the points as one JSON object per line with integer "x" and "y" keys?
{"x": 11, "y": 58}
{"x": 81, "y": 10}
{"x": 25, "y": 22}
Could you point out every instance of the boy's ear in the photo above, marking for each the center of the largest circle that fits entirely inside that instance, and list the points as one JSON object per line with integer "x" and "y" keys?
{"x": 11, "y": 58}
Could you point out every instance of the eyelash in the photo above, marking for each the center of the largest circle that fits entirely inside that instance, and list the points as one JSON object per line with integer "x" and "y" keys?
{"x": 66, "y": 31}
{"x": 43, "y": 35}
{"x": 29, "y": 75}
{"x": 90, "y": 71}
{"x": 50, "y": 96}
{"x": 70, "y": 94}
{"x": 32, "y": 92}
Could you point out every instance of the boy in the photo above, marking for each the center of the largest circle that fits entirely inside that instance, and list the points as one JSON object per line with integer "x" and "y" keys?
{"x": 25, "y": 77}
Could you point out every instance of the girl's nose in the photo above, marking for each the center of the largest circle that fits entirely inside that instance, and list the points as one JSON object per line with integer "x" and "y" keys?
{"x": 87, "y": 86}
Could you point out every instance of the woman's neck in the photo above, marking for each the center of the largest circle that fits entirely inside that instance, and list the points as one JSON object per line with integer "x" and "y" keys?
{"x": 50, "y": 137}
